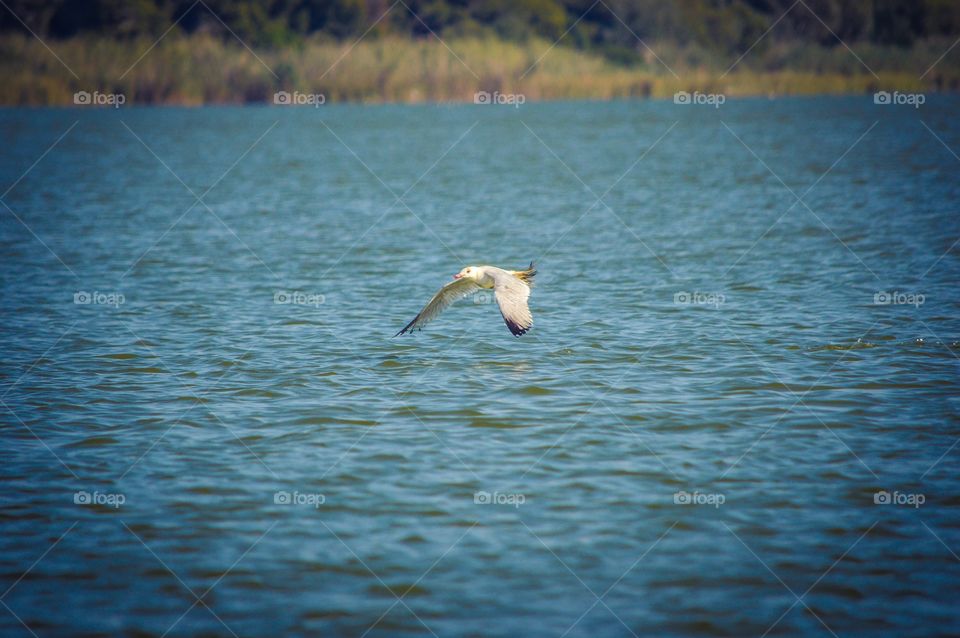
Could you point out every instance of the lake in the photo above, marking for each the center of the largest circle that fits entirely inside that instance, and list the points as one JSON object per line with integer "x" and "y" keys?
{"x": 737, "y": 413}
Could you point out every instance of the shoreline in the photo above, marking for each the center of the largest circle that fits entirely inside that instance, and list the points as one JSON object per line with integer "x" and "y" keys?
{"x": 447, "y": 103}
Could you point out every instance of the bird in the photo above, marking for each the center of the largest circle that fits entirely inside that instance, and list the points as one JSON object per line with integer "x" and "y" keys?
{"x": 511, "y": 288}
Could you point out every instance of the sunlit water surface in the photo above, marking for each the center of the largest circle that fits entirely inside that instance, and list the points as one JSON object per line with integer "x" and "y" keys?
{"x": 706, "y": 330}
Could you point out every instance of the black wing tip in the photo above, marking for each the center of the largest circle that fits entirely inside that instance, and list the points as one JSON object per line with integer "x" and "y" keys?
{"x": 406, "y": 329}
{"x": 516, "y": 329}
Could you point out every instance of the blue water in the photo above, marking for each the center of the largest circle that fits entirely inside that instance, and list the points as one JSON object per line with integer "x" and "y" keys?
{"x": 695, "y": 432}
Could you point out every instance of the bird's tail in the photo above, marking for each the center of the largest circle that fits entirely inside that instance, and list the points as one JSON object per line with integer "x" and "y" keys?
{"x": 526, "y": 276}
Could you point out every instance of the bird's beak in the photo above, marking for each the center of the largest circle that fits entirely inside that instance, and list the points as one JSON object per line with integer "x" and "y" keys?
{"x": 457, "y": 276}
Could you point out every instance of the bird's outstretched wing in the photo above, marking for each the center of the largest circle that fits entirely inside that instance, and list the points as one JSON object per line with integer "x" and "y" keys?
{"x": 453, "y": 291}
{"x": 512, "y": 294}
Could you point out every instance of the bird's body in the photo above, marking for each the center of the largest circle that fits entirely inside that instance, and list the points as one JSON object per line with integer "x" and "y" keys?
{"x": 511, "y": 288}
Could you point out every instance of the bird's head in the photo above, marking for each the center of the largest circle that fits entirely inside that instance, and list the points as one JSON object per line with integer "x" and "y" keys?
{"x": 470, "y": 272}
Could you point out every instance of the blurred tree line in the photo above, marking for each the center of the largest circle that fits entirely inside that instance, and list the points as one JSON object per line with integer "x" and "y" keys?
{"x": 610, "y": 27}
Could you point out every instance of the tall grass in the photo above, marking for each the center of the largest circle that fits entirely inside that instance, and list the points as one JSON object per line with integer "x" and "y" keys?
{"x": 201, "y": 69}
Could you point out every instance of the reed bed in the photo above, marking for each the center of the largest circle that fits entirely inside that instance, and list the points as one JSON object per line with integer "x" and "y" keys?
{"x": 201, "y": 69}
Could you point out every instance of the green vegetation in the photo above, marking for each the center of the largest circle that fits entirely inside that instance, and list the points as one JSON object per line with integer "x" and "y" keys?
{"x": 606, "y": 51}
{"x": 727, "y": 26}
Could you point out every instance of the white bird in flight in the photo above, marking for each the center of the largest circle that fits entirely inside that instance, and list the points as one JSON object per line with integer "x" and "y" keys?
{"x": 511, "y": 288}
